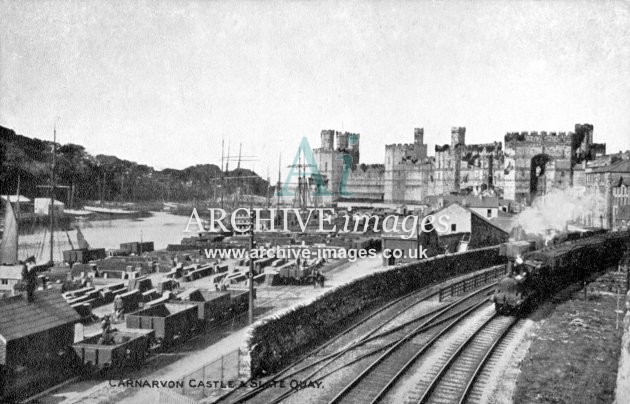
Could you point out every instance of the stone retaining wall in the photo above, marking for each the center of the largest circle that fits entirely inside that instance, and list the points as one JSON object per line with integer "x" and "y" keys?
{"x": 275, "y": 342}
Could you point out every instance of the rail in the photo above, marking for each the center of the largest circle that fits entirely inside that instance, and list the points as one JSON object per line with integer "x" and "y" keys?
{"x": 472, "y": 342}
{"x": 404, "y": 349}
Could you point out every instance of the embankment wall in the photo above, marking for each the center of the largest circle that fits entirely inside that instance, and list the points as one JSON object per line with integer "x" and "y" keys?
{"x": 274, "y": 342}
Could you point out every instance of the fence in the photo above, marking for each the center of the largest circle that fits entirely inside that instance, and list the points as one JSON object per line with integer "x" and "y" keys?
{"x": 472, "y": 283}
{"x": 172, "y": 397}
{"x": 212, "y": 378}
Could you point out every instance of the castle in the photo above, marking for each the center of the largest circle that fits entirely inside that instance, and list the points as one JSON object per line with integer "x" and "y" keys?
{"x": 529, "y": 164}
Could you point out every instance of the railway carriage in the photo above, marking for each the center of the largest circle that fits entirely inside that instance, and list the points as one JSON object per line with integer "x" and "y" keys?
{"x": 535, "y": 274}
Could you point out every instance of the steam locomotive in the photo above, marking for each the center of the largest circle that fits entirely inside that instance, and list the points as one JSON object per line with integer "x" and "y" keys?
{"x": 533, "y": 274}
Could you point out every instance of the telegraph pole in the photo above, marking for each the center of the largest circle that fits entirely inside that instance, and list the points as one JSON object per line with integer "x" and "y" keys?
{"x": 222, "y": 172}
{"x": 418, "y": 239}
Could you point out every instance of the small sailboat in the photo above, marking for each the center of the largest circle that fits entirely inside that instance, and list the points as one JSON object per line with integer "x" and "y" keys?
{"x": 9, "y": 244}
{"x": 10, "y": 268}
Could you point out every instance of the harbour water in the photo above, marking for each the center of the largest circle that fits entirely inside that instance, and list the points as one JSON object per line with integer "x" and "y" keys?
{"x": 161, "y": 228}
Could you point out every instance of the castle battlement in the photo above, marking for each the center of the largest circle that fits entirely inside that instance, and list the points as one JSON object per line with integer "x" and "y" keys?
{"x": 402, "y": 147}
{"x": 484, "y": 147}
{"x": 442, "y": 149}
{"x": 368, "y": 170}
{"x": 558, "y": 138}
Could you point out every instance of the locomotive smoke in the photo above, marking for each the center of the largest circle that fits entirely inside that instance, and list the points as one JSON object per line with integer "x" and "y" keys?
{"x": 550, "y": 214}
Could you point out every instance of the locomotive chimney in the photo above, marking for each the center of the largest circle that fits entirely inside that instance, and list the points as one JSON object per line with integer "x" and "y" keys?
{"x": 513, "y": 251}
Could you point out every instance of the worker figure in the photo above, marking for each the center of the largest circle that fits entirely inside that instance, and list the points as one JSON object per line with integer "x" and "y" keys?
{"x": 30, "y": 278}
{"x": 119, "y": 308}
{"x": 316, "y": 276}
{"x": 321, "y": 280}
{"x": 106, "y": 329}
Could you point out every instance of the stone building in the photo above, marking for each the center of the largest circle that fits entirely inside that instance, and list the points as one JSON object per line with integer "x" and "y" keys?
{"x": 459, "y": 229}
{"x": 609, "y": 186}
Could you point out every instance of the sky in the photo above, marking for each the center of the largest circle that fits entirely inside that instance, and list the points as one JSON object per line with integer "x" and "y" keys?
{"x": 163, "y": 82}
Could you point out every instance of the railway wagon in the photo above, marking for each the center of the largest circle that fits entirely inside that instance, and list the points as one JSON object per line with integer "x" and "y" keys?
{"x": 212, "y": 305}
{"x": 198, "y": 273}
{"x": 291, "y": 273}
{"x": 235, "y": 278}
{"x": 169, "y": 321}
{"x": 127, "y": 349}
{"x": 131, "y": 300}
{"x": 222, "y": 268}
{"x": 239, "y": 300}
{"x": 260, "y": 264}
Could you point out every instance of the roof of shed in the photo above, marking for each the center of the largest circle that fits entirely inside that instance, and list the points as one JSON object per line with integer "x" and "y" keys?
{"x": 622, "y": 166}
{"x": 11, "y": 272}
{"x": 19, "y": 318}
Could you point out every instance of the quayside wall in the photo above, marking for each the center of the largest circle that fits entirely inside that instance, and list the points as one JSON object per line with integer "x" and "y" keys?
{"x": 277, "y": 341}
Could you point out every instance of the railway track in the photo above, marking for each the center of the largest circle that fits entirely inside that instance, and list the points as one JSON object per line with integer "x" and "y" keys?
{"x": 456, "y": 377}
{"x": 409, "y": 300}
{"x": 376, "y": 380}
{"x": 467, "y": 343}
{"x": 389, "y": 330}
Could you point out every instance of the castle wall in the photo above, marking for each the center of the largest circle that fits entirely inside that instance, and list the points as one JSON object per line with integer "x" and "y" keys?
{"x": 521, "y": 148}
{"x": 408, "y": 174}
{"x": 366, "y": 182}
{"x": 407, "y": 171}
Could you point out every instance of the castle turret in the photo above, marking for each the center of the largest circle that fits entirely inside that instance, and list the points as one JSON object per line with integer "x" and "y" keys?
{"x": 342, "y": 141}
{"x": 418, "y": 135}
{"x": 328, "y": 139}
{"x": 458, "y": 136}
{"x": 353, "y": 141}
{"x": 418, "y": 142}
{"x": 583, "y": 139}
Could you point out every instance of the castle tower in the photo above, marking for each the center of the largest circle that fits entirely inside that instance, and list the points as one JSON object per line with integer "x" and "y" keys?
{"x": 328, "y": 139}
{"x": 583, "y": 135}
{"x": 353, "y": 148}
{"x": 418, "y": 142}
{"x": 458, "y": 143}
{"x": 353, "y": 141}
{"x": 418, "y": 135}
{"x": 342, "y": 141}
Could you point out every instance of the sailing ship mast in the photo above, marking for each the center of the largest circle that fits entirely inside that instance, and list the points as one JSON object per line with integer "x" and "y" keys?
{"x": 52, "y": 191}
{"x": 279, "y": 183}
{"x": 17, "y": 204}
